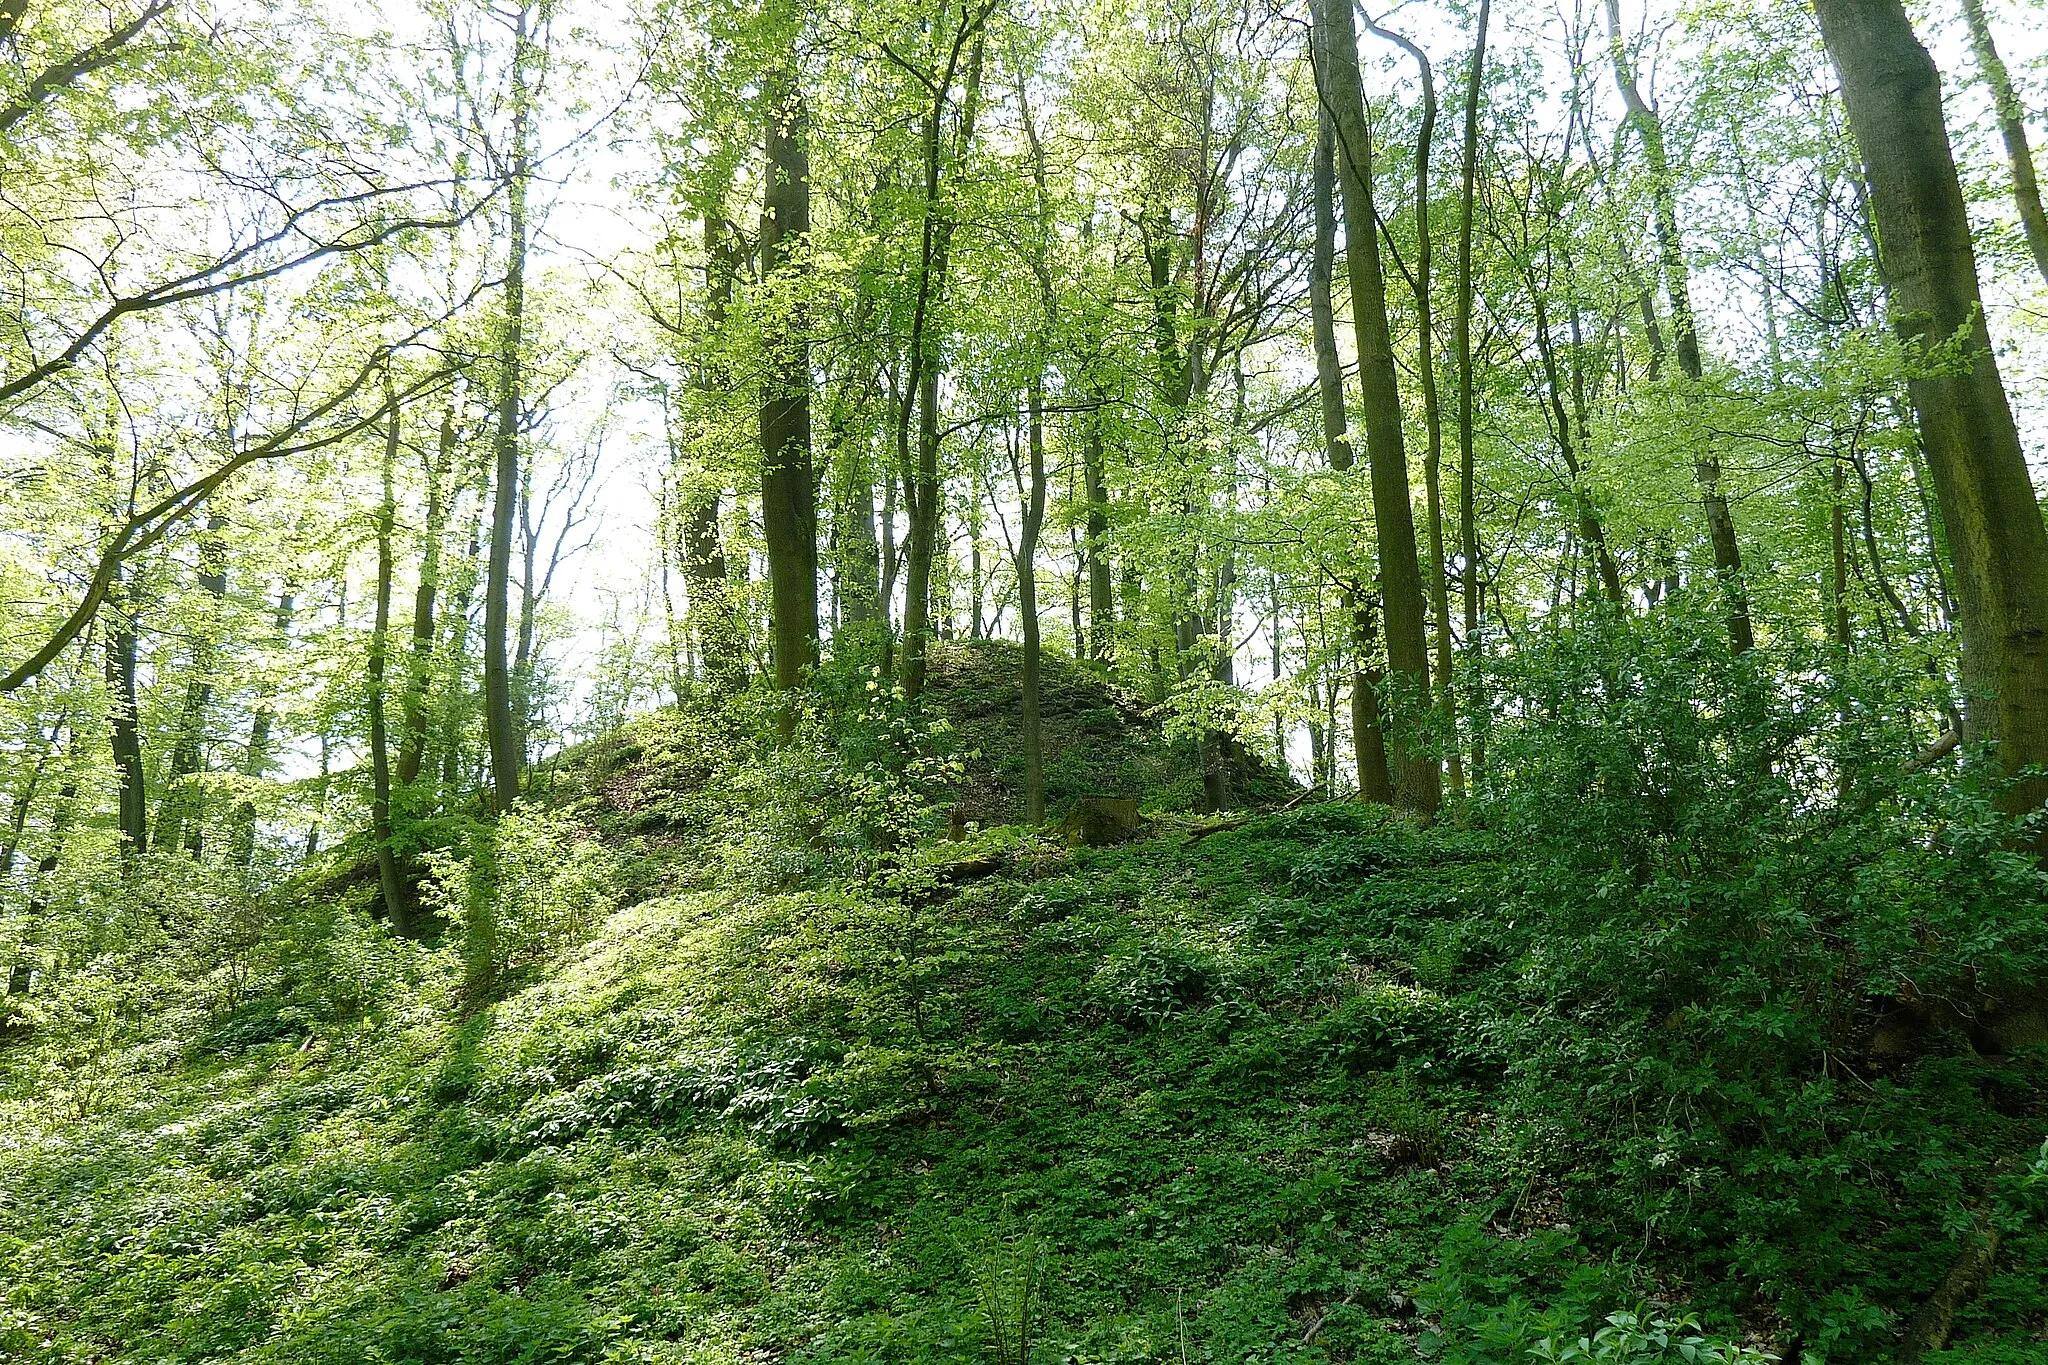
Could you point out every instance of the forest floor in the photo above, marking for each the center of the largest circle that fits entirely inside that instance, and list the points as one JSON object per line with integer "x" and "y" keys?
{"x": 1243, "y": 1097}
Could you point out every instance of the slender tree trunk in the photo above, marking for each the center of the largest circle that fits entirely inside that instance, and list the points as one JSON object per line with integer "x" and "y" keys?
{"x": 1417, "y": 779}
{"x": 715, "y": 620}
{"x": 1432, "y": 410}
{"x": 921, "y": 488}
{"x": 1461, "y": 329}
{"x": 2012, "y": 127}
{"x": 1838, "y": 537}
{"x": 789, "y": 513}
{"x": 22, "y": 974}
{"x": 501, "y": 722}
{"x": 454, "y": 718}
{"x": 256, "y": 759}
{"x": 125, "y": 734}
{"x": 1369, "y": 748}
{"x": 1368, "y": 740}
{"x": 24, "y": 800}
{"x": 860, "y": 554}
{"x": 1101, "y": 591}
{"x": 1678, "y": 289}
{"x": 397, "y": 904}
{"x": 529, "y": 605}
{"x": 412, "y": 737}
{"x": 178, "y": 812}
{"x": 668, "y": 544}
{"x": 1027, "y": 609}
{"x": 1988, "y": 508}
{"x": 1591, "y": 532}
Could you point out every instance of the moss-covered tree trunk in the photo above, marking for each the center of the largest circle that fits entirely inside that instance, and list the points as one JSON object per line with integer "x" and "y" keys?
{"x": 1988, "y": 508}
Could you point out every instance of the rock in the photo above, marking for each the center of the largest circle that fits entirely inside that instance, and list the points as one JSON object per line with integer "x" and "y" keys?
{"x": 1098, "y": 821}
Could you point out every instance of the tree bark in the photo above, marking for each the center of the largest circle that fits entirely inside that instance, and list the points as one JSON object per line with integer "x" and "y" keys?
{"x": 501, "y": 723}
{"x": 921, "y": 490}
{"x": 257, "y": 757}
{"x": 47, "y": 749}
{"x": 1101, "y": 591}
{"x": 1027, "y": 609}
{"x": 22, "y": 974}
{"x": 397, "y": 904}
{"x": 1432, "y": 411}
{"x": 125, "y": 729}
{"x": 1591, "y": 531}
{"x": 1369, "y": 749}
{"x": 1988, "y": 508}
{"x": 1461, "y": 328}
{"x": 789, "y": 513}
{"x": 2012, "y": 128}
{"x": 412, "y": 737}
{"x": 1418, "y": 783}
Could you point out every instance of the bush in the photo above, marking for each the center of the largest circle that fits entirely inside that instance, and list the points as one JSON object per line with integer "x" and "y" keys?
{"x": 1701, "y": 951}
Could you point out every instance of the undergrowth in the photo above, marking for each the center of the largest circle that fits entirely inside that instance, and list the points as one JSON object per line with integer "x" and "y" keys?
{"x": 1640, "y": 1070}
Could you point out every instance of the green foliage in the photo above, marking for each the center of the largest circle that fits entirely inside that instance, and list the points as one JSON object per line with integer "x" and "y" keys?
{"x": 528, "y": 885}
{"x": 1323, "y": 1087}
{"x": 1640, "y": 1339}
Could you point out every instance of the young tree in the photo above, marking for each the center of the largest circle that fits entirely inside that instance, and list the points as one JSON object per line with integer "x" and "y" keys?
{"x": 1417, "y": 779}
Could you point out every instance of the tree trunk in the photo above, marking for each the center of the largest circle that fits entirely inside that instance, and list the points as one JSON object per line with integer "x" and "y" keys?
{"x": 412, "y": 738}
{"x": 1368, "y": 740}
{"x": 1590, "y": 529}
{"x": 1027, "y": 610}
{"x": 1838, "y": 537}
{"x": 179, "y": 810}
{"x": 1417, "y": 780}
{"x": 1996, "y": 537}
{"x": 1432, "y": 411}
{"x": 2012, "y": 127}
{"x": 1101, "y": 591}
{"x": 1369, "y": 749}
{"x": 256, "y": 759}
{"x": 501, "y": 722}
{"x": 921, "y": 489}
{"x": 125, "y": 736}
{"x": 789, "y": 513}
{"x": 397, "y": 905}
{"x": 453, "y": 720}
{"x": 1678, "y": 289}
{"x": 1461, "y": 327}
{"x": 860, "y": 551}
{"x": 22, "y": 974}
{"x": 17, "y": 820}
{"x": 714, "y": 619}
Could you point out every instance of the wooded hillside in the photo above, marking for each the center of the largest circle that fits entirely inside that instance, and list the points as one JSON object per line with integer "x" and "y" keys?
{"x": 482, "y": 480}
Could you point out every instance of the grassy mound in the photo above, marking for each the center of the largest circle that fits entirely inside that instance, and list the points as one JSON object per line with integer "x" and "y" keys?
{"x": 725, "y": 1058}
{"x": 1247, "y": 1099}
{"x": 1098, "y": 739}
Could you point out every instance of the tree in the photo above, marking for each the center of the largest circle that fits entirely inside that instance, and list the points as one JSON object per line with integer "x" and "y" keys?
{"x": 2012, "y": 128}
{"x": 1417, "y": 779}
{"x": 1992, "y": 521}
{"x": 501, "y": 720}
{"x": 789, "y": 512}
{"x": 955, "y": 57}
{"x": 1649, "y": 128}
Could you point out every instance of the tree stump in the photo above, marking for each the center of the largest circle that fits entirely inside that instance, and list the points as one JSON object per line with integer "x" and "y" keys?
{"x": 1099, "y": 821}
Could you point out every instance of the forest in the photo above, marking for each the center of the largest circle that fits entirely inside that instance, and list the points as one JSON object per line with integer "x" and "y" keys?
{"x": 1043, "y": 682}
